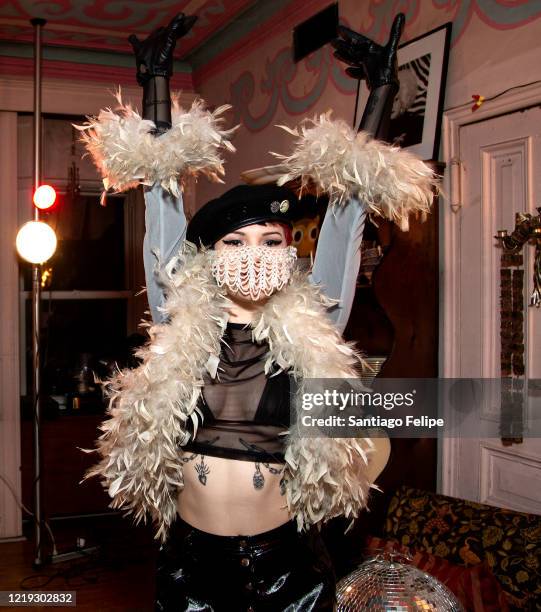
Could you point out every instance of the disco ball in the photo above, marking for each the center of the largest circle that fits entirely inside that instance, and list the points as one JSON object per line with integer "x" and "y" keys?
{"x": 384, "y": 584}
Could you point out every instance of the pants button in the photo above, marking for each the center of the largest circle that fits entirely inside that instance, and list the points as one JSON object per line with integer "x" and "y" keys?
{"x": 249, "y": 609}
{"x": 242, "y": 543}
{"x": 249, "y": 586}
{"x": 245, "y": 562}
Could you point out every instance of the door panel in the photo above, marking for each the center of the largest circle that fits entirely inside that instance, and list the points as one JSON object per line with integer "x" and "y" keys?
{"x": 501, "y": 176}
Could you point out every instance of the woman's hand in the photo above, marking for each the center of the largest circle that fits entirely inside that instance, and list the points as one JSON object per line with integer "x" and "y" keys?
{"x": 368, "y": 60}
{"x": 154, "y": 55}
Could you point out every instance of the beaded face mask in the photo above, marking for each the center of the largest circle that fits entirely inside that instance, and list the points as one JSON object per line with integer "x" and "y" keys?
{"x": 253, "y": 271}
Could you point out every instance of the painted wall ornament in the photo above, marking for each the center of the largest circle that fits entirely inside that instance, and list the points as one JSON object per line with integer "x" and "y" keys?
{"x": 279, "y": 78}
{"x": 280, "y": 73}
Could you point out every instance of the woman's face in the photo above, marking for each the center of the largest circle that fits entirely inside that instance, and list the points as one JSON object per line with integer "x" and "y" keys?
{"x": 268, "y": 234}
{"x": 253, "y": 262}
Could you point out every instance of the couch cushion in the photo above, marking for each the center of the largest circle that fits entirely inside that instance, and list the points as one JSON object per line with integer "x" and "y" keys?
{"x": 469, "y": 533}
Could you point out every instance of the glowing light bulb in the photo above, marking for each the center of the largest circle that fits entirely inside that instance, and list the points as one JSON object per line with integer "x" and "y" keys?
{"x": 36, "y": 242}
{"x": 44, "y": 197}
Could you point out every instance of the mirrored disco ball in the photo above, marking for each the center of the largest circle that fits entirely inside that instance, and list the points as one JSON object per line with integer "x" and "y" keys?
{"x": 384, "y": 584}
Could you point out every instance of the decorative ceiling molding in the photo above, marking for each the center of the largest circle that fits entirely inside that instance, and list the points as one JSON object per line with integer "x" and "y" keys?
{"x": 93, "y": 34}
{"x": 70, "y": 63}
{"x": 79, "y": 56}
{"x": 110, "y": 76}
{"x": 70, "y": 97}
{"x": 101, "y": 24}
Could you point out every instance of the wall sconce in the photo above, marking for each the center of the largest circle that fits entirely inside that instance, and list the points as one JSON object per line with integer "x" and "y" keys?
{"x": 527, "y": 229}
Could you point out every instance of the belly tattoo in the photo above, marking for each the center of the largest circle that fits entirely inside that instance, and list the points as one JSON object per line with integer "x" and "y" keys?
{"x": 203, "y": 470}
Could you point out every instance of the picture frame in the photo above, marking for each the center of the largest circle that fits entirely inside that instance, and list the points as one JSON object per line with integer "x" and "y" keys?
{"x": 417, "y": 110}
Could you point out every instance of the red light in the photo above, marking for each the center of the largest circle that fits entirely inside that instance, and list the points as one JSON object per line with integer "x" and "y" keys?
{"x": 44, "y": 197}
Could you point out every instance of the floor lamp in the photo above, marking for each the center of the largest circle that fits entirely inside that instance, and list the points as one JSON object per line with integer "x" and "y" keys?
{"x": 36, "y": 243}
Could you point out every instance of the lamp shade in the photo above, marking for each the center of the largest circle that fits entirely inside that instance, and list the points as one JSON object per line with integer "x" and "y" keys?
{"x": 36, "y": 242}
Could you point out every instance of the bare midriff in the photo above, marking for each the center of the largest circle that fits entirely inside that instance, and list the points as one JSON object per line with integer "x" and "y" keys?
{"x": 228, "y": 503}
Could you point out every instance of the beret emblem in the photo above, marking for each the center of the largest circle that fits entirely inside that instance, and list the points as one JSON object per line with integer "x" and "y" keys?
{"x": 282, "y": 206}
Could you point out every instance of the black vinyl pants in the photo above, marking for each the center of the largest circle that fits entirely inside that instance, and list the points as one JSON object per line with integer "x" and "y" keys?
{"x": 274, "y": 571}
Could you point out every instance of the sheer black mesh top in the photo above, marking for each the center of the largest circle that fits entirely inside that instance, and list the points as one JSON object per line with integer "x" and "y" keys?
{"x": 244, "y": 411}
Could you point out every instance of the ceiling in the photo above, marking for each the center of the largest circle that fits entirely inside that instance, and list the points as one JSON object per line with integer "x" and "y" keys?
{"x": 106, "y": 24}
{"x": 88, "y": 39}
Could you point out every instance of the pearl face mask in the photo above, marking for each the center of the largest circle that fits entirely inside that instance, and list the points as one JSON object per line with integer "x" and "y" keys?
{"x": 253, "y": 271}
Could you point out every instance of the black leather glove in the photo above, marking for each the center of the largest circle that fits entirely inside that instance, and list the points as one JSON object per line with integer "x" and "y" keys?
{"x": 154, "y": 55}
{"x": 378, "y": 65}
{"x": 368, "y": 60}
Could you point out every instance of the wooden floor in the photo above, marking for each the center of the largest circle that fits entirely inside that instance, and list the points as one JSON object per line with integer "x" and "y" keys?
{"x": 118, "y": 576}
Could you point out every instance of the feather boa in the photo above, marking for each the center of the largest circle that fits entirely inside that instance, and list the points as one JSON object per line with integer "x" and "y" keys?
{"x": 343, "y": 163}
{"x": 150, "y": 405}
{"x": 126, "y": 152}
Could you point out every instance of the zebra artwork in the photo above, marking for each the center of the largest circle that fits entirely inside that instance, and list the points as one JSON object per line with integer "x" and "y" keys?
{"x": 408, "y": 114}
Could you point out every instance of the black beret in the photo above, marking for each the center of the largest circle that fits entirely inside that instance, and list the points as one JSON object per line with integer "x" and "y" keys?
{"x": 238, "y": 207}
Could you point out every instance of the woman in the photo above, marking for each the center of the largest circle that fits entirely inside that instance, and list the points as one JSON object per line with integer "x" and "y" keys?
{"x": 235, "y": 524}
{"x": 201, "y": 437}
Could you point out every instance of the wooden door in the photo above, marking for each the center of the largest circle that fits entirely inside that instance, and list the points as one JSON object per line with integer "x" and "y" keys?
{"x": 500, "y": 162}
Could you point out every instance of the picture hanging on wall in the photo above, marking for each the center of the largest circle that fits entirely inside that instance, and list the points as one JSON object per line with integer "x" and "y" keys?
{"x": 418, "y": 106}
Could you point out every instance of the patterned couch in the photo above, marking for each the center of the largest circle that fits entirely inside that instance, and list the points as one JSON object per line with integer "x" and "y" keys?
{"x": 460, "y": 533}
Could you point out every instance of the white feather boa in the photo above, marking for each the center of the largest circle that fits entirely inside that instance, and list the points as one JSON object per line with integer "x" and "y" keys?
{"x": 126, "y": 152}
{"x": 150, "y": 405}
{"x": 342, "y": 163}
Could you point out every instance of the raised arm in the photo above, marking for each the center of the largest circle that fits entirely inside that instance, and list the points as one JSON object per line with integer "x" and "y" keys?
{"x": 165, "y": 225}
{"x": 154, "y": 58}
{"x": 378, "y": 66}
{"x": 158, "y": 149}
{"x": 338, "y": 255}
{"x": 360, "y": 176}
{"x": 165, "y": 221}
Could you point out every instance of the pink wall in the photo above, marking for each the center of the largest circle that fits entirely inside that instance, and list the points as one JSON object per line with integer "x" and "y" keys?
{"x": 496, "y": 44}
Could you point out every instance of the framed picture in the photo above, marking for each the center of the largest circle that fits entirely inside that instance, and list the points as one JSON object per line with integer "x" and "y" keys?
{"x": 418, "y": 106}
